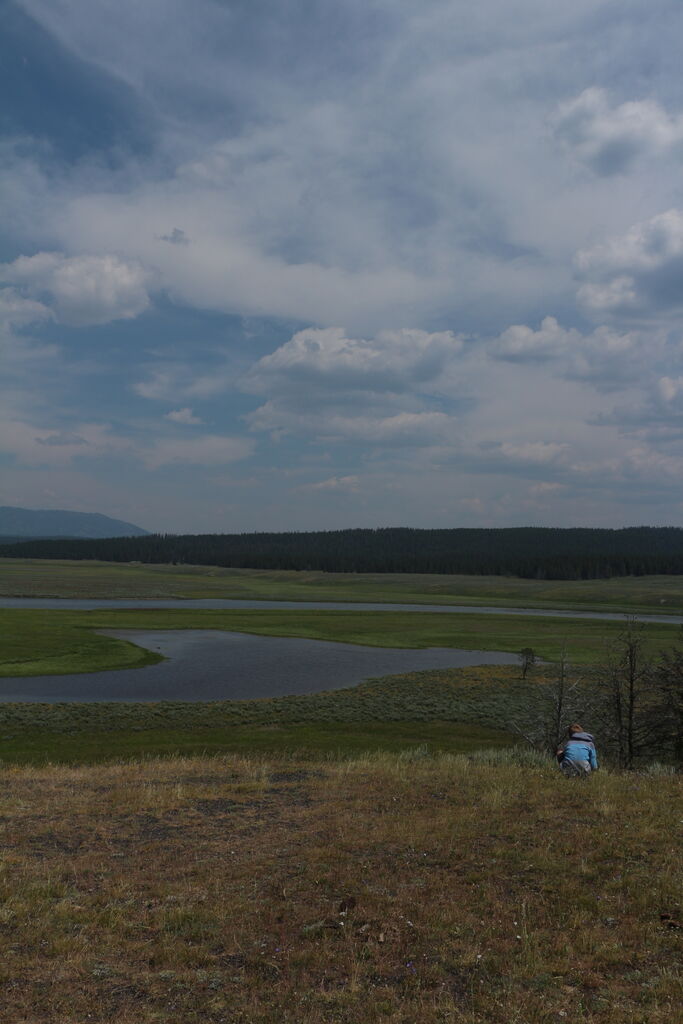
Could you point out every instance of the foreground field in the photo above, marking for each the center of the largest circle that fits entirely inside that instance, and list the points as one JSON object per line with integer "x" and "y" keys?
{"x": 46, "y": 578}
{"x": 386, "y": 889}
{"x": 59, "y": 642}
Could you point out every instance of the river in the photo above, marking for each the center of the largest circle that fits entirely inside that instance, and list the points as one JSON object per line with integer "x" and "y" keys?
{"x": 205, "y": 665}
{"x": 213, "y": 665}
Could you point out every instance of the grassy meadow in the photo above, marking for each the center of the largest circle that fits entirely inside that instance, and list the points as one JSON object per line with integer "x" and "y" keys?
{"x": 47, "y": 578}
{"x": 385, "y": 889}
{"x": 47, "y": 642}
{"x": 385, "y": 854}
{"x": 450, "y": 710}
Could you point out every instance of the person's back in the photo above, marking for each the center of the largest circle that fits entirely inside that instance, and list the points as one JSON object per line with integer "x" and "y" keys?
{"x": 578, "y": 754}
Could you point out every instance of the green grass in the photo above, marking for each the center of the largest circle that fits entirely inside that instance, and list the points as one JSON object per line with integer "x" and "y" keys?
{"x": 451, "y": 710}
{"x": 443, "y": 710}
{"x": 34, "y": 643}
{"x": 304, "y": 740}
{"x": 61, "y": 642}
{"x": 44, "y": 578}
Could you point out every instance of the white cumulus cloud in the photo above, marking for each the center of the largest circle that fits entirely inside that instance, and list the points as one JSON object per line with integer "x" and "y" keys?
{"x": 604, "y": 356}
{"x": 639, "y": 273}
{"x": 610, "y": 138}
{"x": 391, "y": 361}
{"x": 82, "y": 290}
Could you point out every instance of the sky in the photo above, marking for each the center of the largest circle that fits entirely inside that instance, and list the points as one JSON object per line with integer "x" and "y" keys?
{"x": 316, "y": 265}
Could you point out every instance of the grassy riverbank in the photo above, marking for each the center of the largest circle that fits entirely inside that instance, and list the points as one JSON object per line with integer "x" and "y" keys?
{"x": 384, "y": 889}
{"x": 448, "y": 710}
{"x": 46, "y": 578}
{"x": 451, "y": 710}
{"x": 62, "y": 642}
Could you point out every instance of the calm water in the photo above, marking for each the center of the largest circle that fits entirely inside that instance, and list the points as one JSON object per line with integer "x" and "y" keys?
{"x": 210, "y": 665}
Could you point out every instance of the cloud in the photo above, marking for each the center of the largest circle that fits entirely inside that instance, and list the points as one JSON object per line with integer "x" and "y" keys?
{"x": 670, "y": 391}
{"x": 210, "y": 450}
{"x": 17, "y": 311}
{"x": 609, "y": 139}
{"x": 637, "y": 274}
{"x": 62, "y": 439}
{"x": 22, "y": 353}
{"x": 176, "y": 237}
{"x": 183, "y": 416}
{"x": 324, "y": 384}
{"x": 535, "y": 452}
{"x": 403, "y": 428}
{"x": 322, "y": 180}
{"x": 393, "y": 175}
{"x": 546, "y": 488}
{"x": 328, "y": 358}
{"x": 520, "y": 343}
{"x": 83, "y": 290}
{"x": 337, "y": 484}
{"x": 40, "y": 446}
{"x": 517, "y": 456}
{"x": 604, "y": 357}
{"x": 657, "y": 416}
{"x": 173, "y": 381}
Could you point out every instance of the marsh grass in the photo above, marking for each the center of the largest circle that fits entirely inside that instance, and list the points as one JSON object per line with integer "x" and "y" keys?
{"x": 57, "y": 642}
{"x": 62, "y": 578}
{"x": 446, "y": 710}
{"x": 378, "y": 889}
{"x": 452, "y": 710}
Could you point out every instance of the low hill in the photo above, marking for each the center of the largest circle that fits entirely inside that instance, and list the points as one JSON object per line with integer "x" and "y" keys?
{"x": 19, "y": 524}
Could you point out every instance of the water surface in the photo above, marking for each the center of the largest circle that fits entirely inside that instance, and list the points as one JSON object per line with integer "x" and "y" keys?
{"x": 211, "y": 665}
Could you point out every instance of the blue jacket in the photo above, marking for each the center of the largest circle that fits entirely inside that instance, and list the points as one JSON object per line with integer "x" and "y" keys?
{"x": 580, "y": 747}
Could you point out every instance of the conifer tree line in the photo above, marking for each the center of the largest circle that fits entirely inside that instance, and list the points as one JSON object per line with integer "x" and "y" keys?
{"x": 528, "y": 552}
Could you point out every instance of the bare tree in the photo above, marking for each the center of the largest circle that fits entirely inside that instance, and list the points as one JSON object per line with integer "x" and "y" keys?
{"x": 527, "y": 658}
{"x": 632, "y": 720}
{"x": 668, "y": 681}
{"x": 552, "y": 707}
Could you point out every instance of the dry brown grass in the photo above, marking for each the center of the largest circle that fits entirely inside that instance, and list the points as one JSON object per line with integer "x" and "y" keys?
{"x": 379, "y": 890}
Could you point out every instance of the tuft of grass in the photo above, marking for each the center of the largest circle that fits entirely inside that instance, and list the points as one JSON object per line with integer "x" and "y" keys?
{"x": 381, "y": 889}
{"x": 513, "y": 757}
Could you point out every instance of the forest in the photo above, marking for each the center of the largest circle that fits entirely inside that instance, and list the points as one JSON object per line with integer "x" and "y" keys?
{"x": 527, "y": 552}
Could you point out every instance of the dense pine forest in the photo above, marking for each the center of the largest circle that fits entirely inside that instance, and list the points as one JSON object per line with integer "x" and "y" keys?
{"x": 530, "y": 552}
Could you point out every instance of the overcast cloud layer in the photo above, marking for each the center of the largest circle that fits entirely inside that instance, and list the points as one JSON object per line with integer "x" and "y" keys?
{"x": 315, "y": 265}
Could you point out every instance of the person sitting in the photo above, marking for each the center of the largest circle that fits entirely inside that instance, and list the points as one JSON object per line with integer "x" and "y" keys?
{"x": 578, "y": 756}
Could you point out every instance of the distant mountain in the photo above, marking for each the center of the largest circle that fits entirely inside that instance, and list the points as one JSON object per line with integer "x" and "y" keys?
{"x": 20, "y": 523}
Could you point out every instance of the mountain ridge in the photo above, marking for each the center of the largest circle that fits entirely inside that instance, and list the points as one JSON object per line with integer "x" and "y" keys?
{"x": 30, "y": 523}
